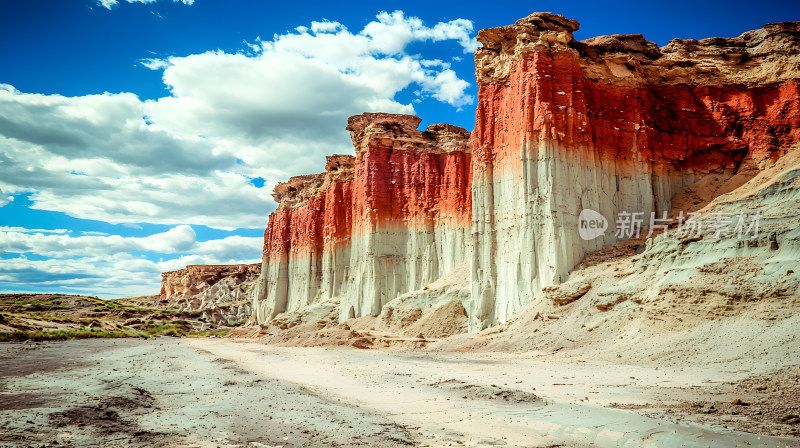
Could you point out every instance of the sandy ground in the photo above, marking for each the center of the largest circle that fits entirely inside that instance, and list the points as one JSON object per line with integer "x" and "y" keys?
{"x": 211, "y": 392}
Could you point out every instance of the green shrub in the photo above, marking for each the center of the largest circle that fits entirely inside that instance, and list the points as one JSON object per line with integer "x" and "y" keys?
{"x": 44, "y": 304}
{"x": 72, "y": 333}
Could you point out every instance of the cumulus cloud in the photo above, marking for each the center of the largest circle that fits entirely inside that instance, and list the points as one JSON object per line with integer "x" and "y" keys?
{"x": 117, "y": 275}
{"x": 95, "y": 157}
{"x": 189, "y": 158}
{"x": 393, "y": 31}
{"x": 108, "y": 4}
{"x": 324, "y": 27}
{"x": 104, "y": 263}
{"x": 154, "y": 64}
{"x": 292, "y": 95}
{"x": 178, "y": 240}
{"x": 96, "y": 134}
{"x": 24, "y": 230}
{"x": 270, "y": 111}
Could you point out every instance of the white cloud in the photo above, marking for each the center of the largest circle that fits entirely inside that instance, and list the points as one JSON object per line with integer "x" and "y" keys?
{"x": 286, "y": 104}
{"x": 271, "y": 111}
{"x": 24, "y": 230}
{"x": 393, "y": 31}
{"x": 108, "y": 4}
{"x": 188, "y": 158}
{"x": 95, "y": 157}
{"x": 93, "y": 233}
{"x": 154, "y": 64}
{"x": 447, "y": 87}
{"x": 178, "y": 240}
{"x": 324, "y": 27}
{"x": 103, "y": 264}
{"x": 117, "y": 275}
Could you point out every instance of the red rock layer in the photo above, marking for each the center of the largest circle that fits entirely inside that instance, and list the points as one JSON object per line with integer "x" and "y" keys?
{"x": 400, "y": 179}
{"x": 690, "y": 127}
{"x": 613, "y": 124}
{"x": 307, "y": 225}
{"x": 402, "y": 186}
{"x": 396, "y": 178}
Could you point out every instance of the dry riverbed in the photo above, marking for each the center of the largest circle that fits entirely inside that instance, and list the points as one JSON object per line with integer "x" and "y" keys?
{"x": 212, "y": 392}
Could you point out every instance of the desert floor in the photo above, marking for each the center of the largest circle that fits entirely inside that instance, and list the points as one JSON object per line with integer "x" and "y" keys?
{"x": 220, "y": 392}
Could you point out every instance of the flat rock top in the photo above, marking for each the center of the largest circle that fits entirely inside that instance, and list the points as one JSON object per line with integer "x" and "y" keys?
{"x": 766, "y": 55}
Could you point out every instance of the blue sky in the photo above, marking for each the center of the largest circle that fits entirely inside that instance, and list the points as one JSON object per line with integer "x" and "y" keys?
{"x": 138, "y": 136}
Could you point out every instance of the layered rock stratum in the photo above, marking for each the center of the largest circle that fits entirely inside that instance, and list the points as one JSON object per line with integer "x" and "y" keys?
{"x": 613, "y": 124}
{"x": 373, "y": 226}
{"x": 220, "y": 291}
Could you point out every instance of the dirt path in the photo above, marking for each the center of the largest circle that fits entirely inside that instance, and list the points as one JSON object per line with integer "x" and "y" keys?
{"x": 165, "y": 392}
{"x": 204, "y": 392}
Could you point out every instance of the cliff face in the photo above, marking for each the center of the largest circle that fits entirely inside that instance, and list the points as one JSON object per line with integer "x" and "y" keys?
{"x": 386, "y": 221}
{"x": 220, "y": 290}
{"x": 613, "y": 124}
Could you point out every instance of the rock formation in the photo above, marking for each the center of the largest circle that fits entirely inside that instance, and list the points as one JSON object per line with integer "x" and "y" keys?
{"x": 221, "y": 291}
{"x": 612, "y": 124}
{"x": 384, "y": 222}
{"x": 671, "y": 295}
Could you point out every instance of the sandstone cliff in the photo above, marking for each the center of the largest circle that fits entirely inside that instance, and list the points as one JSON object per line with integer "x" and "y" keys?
{"x": 672, "y": 297}
{"x": 612, "y": 124}
{"x": 384, "y": 222}
{"x": 221, "y": 291}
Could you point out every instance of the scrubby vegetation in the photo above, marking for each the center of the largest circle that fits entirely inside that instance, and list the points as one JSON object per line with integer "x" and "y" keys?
{"x": 147, "y": 331}
{"x": 79, "y": 333}
{"x": 114, "y": 305}
{"x": 42, "y": 317}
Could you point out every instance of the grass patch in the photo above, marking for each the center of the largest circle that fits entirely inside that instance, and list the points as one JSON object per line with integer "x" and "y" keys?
{"x": 78, "y": 333}
{"x": 144, "y": 331}
{"x": 160, "y": 328}
{"x": 36, "y": 303}
{"x": 113, "y": 305}
{"x": 51, "y": 318}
